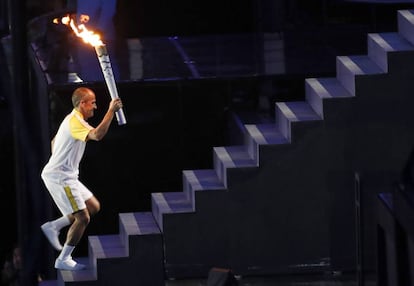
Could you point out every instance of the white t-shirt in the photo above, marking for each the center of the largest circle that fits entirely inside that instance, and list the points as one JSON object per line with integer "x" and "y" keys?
{"x": 68, "y": 148}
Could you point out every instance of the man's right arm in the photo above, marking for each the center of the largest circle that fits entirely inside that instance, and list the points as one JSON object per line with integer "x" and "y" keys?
{"x": 100, "y": 131}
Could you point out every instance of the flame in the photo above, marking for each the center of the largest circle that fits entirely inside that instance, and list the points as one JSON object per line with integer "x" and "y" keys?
{"x": 81, "y": 31}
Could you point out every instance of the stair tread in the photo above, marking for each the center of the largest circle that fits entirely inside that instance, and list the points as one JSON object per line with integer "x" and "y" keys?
{"x": 298, "y": 111}
{"x": 83, "y": 275}
{"x": 328, "y": 87}
{"x": 139, "y": 223}
{"x": 406, "y": 24}
{"x": 203, "y": 179}
{"x": 265, "y": 134}
{"x": 234, "y": 156}
{"x": 360, "y": 65}
{"x": 408, "y": 14}
{"x": 169, "y": 202}
{"x": 391, "y": 42}
{"x": 107, "y": 246}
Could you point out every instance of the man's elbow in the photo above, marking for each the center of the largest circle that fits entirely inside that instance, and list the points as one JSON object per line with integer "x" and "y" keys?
{"x": 99, "y": 137}
{"x": 96, "y": 136}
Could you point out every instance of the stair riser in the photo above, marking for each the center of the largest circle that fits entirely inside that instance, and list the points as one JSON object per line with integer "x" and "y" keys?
{"x": 220, "y": 169}
{"x": 314, "y": 99}
{"x": 283, "y": 124}
{"x": 378, "y": 54}
{"x": 157, "y": 214}
{"x": 405, "y": 26}
{"x": 188, "y": 190}
{"x": 252, "y": 149}
{"x": 345, "y": 77}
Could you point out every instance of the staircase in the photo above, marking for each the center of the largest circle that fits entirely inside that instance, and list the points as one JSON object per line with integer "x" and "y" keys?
{"x": 282, "y": 200}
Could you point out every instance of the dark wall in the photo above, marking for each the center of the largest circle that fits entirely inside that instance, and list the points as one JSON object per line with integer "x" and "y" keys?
{"x": 159, "y": 17}
{"x": 6, "y": 180}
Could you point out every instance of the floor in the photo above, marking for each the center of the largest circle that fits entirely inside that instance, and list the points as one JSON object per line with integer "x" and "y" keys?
{"x": 330, "y": 279}
{"x": 322, "y": 280}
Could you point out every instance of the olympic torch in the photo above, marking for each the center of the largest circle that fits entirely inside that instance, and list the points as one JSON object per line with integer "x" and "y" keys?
{"x": 106, "y": 67}
{"x": 100, "y": 48}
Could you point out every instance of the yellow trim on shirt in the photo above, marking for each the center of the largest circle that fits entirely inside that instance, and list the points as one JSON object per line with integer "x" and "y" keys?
{"x": 78, "y": 127}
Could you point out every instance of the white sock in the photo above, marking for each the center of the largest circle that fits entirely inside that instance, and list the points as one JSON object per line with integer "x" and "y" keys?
{"x": 61, "y": 222}
{"x": 66, "y": 252}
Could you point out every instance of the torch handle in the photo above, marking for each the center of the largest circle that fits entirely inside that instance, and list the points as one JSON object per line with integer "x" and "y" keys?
{"x": 113, "y": 92}
{"x": 120, "y": 117}
{"x": 109, "y": 79}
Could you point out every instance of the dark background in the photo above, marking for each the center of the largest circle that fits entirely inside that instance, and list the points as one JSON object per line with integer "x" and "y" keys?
{"x": 186, "y": 127}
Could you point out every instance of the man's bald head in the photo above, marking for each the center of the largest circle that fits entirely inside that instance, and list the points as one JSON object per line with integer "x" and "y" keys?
{"x": 79, "y": 94}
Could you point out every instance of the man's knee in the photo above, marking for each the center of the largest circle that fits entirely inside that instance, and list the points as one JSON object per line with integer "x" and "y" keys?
{"x": 82, "y": 217}
{"x": 93, "y": 206}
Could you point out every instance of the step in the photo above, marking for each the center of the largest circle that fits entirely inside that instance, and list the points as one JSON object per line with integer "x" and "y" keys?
{"x": 238, "y": 121}
{"x": 200, "y": 180}
{"x": 83, "y": 277}
{"x": 144, "y": 262}
{"x": 262, "y": 134}
{"x": 380, "y": 44}
{"x": 103, "y": 247}
{"x": 231, "y": 157}
{"x": 136, "y": 224}
{"x": 136, "y": 254}
{"x": 349, "y": 67}
{"x": 290, "y": 113}
{"x": 318, "y": 90}
{"x": 406, "y": 24}
{"x": 169, "y": 202}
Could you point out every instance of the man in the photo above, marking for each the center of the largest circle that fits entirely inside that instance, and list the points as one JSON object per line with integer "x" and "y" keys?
{"x": 60, "y": 175}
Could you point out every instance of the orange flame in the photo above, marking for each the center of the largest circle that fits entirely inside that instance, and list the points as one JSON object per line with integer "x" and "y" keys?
{"x": 81, "y": 31}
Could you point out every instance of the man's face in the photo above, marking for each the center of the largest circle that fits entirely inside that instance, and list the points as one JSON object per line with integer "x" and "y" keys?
{"x": 88, "y": 105}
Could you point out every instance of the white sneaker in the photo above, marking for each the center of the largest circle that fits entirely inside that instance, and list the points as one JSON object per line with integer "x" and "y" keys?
{"x": 52, "y": 235}
{"x": 68, "y": 264}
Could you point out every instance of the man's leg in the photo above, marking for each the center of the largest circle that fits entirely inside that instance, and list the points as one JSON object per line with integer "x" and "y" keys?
{"x": 51, "y": 229}
{"x": 74, "y": 235}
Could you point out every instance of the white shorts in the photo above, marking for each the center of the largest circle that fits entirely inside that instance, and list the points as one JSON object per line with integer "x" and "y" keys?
{"x": 69, "y": 196}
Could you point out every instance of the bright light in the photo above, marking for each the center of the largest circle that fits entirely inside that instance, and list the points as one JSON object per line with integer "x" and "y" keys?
{"x": 88, "y": 36}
